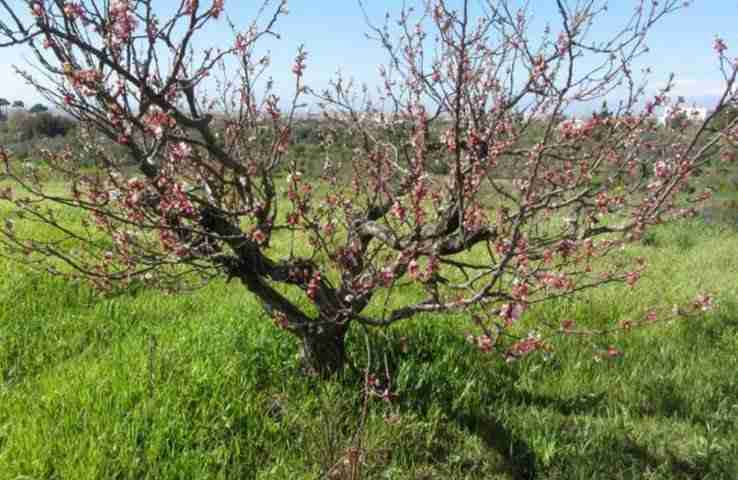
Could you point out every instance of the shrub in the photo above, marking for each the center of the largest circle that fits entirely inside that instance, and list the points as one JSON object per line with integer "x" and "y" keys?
{"x": 24, "y": 126}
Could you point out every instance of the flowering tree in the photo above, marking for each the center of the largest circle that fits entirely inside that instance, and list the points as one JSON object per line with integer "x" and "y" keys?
{"x": 530, "y": 204}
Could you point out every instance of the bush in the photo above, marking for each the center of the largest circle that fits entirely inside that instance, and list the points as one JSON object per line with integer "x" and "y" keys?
{"x": 23, "y": 126}
{"x": 308, "y": 133}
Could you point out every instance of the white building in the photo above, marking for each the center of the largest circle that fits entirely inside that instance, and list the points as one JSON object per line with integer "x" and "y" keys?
{"x": 693, "y": 113}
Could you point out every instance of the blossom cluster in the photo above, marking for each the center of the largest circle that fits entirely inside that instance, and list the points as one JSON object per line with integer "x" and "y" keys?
{"x": 87, "y": 81}
{"x": 123, "y": 22}
{"x": 157, "y": 121}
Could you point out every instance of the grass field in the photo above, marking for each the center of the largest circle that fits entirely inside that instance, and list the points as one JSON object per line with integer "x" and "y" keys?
{"x": 203, "y": 386}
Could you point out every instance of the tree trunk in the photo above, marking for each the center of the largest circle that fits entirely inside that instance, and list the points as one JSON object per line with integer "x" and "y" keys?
{"x": 324, "y": 350}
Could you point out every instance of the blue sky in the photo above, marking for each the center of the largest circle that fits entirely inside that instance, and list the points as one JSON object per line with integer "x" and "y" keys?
{"x": 334, "y": 34}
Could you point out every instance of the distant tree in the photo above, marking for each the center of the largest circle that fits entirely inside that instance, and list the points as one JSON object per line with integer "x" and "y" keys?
{"x": 394, "y": 241}
{"x": 39, "y": 108}
{"x": 4, "y": 104}
{"x": 19, "y": 104}
{"x": 25, "y": 126}
{"x": 726, "y": 118}
{"x": 604, "y": 111}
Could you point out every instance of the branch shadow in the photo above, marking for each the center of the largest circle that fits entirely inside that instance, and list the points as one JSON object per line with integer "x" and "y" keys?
{"x": 676, "y": 468}
{"x": 586, "y": 404}
{"x": 519, "y": 457}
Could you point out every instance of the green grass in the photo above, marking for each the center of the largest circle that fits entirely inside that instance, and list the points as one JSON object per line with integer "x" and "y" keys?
{"x": 203, "y": 386}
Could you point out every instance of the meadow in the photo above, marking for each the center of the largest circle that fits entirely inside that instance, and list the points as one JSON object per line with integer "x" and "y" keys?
{"x": 133, "y": 383}
{"x": 202, "y": 385}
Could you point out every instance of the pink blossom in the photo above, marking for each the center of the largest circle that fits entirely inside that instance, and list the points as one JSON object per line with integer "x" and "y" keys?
{"x": 662, "y": 169}
{"x": 313, "y": 285}
{"x": 123, "y": 21}
{"x": 280, "y": 319}
{"x": 180, "y": 151}
{"x": 86, "y": 81}
{"x": 293, "y": 218}
{"x": 523, "y": 348}
{"x": 719, "y": 45}
{"x": 174, "y": 201}
{"x": 520, "y": 291}
{"x": 299, "y": 66}
{"x": 547, "y": 256}
{"x": 157, "y": 120}
{"x": 258, "y": 236}
{"x": 73, "y": 10}
{"x": 431, "y": 268}
{"x": 613, "y": 352}
{"x": 558, "y": 281}
{"x": 190, "y": 6}
{"x": 329, "y": 228}
{"x": 387, "y": 276}
{"x": 474, "y": 219}
{"x": 449, "y": 139}
{"x": 413, "y": 269}
{"x": 483, "y": 342}
{"x": 399, "y": 211}
{"x": 241, "y": 44}
{"x": 706, "y": 195}
{"x": 37, "y": 10}
{"x": 563, "y": 43}
{"x": 168, "y": 240}
{"x": 567, "y": 247}
{"x": 511, "y": 312}
{"x": 217, "y": 8}
{"x": 704, "y": 302}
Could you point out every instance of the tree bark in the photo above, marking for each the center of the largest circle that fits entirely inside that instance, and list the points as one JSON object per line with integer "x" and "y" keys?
{"x": 323, "y": 339}
{"x": 324, "y": 349}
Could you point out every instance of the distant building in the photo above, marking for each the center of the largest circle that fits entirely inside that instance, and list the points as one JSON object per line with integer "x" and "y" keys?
{"x": 572, "y": 123}
{"x": 693, "y": 113}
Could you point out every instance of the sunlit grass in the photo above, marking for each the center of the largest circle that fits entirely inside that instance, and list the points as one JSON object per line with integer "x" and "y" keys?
{"x": 146, "y": 385}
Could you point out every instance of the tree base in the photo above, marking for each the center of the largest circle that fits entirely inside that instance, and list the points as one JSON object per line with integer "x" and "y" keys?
{"x": 323, "y": 353}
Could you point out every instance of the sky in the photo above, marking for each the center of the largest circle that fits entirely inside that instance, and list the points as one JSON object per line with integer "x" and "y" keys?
{"x": 334, "y": 33}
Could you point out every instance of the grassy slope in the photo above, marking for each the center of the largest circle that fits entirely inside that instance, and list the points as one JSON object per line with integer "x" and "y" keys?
{"x": 202, "y": 386}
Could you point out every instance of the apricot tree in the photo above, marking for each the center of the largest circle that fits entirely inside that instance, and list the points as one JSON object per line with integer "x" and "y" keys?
{"x": 184, "y": 172}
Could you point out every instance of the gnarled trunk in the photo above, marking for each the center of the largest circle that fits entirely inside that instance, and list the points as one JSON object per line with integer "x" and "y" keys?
{"x": 324, "y": 349}
{"x": 323, "y": 339}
